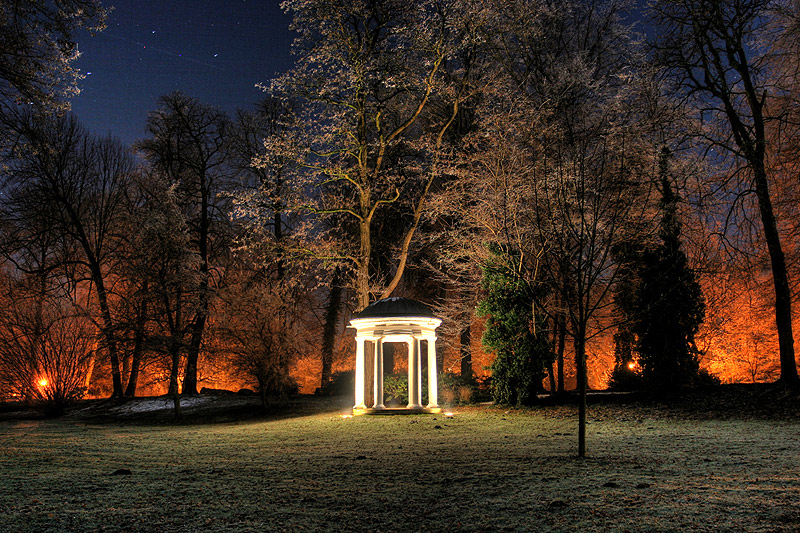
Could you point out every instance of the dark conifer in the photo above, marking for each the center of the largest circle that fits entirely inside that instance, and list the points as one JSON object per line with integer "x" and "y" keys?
{"x": 669, "y": 306}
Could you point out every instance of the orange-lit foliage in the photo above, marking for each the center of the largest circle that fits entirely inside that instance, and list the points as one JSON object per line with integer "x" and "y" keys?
{"x": 600, "y": 355}
{"x": 739, "y": 340}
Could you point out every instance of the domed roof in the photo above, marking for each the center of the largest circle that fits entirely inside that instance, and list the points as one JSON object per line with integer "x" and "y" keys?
{"x": 395, "y": 307}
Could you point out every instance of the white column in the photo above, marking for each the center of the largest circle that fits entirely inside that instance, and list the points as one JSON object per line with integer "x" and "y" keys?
{"x": 433, "y": 385}
{"x": 359, "y": 378}
{"x": 418, "y": 362}
{"x": 413, "y": 374}
{"x": 378, "y": 373}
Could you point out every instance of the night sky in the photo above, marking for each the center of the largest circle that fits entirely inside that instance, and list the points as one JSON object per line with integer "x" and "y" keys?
{"x": 215, "y": 50}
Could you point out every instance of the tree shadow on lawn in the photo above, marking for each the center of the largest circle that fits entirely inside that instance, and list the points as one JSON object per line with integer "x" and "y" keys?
{"x": 733, "y": 401}
{"x": 195, "y": 410}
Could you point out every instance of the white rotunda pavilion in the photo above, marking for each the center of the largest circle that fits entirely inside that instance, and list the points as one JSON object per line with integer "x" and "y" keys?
{"x": 396, "y": 320}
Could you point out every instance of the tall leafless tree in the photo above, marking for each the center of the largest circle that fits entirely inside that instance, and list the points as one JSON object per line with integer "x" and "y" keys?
{"x": 189, "y": 148}
{"x": 77, "y": 183}
{"x": 716, "y": 56}
{"x": 378, "y": 100}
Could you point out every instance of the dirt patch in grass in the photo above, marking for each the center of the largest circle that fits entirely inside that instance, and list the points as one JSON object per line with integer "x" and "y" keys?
{"x": 484, "y": 469}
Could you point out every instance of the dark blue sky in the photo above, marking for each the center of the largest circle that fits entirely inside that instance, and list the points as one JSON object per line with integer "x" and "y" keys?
{"x": 215, "y": 50}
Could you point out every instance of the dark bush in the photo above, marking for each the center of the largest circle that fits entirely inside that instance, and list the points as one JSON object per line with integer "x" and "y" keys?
{"x": 341, "y": 384}
{"x": 455, "y": 389}
{"x": 624, "y": 379}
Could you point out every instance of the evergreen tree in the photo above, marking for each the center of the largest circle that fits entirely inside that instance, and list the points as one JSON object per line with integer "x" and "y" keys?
{"x": 517, "y": 337}
{"x": 669, "y": 305}
{"x": 626, "y": 375}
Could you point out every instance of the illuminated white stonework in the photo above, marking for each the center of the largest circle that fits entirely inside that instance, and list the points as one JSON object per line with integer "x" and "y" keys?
{"x": 399, "y": 325}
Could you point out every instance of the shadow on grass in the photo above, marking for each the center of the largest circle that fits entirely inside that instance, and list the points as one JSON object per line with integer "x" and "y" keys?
{"x": 196, "y": 410}
{"x": 733, "y": 401}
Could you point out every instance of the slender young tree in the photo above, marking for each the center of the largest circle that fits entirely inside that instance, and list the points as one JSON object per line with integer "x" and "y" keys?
{"x": 573, "y": 123}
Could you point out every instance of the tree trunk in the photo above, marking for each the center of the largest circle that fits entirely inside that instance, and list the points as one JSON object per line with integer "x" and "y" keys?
{"x": 138, "y": 346}
{"x": 562, "y": 337}
{"x": 125, "y": 361}
{"x": 262, "y": 391}
{"x": 329, "y": 328}
{"x": 176, "y": 403}
{"x": 108, "y": 333}
{"x": 193, "y": 354}
{"x": 466, "y": 353}
{"x": 362, "y": 275}
{"x": 190, "y": 373}
{"x": 783, "y": 295}
{"x": 175, "y": 357}
{"x": 133, "y": 377}
{"x": 580, "y": 360}
{"x": 752, "y": 143}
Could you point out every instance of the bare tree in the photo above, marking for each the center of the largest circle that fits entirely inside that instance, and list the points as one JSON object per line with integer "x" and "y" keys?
{"x": 77, "y": 184}
{"x": 264, "y": 324}
{"x": 713, "y": 53}
{"x": 189, "y": 147}
{"x": 167, "y": 262}
{"x": 39, "y": 49}
{"x": 557, "y": 172}
{"x": 378, "y": 99}
{"x": 46, "y": 343}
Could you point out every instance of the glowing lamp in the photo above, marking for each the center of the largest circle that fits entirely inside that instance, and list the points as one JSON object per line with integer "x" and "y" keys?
{"x": 43, "y": 382}
{"x": 631, "y": 365}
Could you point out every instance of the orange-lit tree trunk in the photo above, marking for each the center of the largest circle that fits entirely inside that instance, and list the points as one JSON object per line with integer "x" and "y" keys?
{"x": 138, "y": 344}
{"x": 109, "y": 338}
{"x": 201, "y": 314}
{"x": 580, "y": 363}
{"x": 562, "y": 337}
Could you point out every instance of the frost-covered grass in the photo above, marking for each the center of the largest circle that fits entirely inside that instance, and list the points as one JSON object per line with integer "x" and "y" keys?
{"x": 482, "y": 470}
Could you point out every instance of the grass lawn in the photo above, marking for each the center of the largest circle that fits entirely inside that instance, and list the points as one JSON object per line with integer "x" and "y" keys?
{"x": 484, "y": 469}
